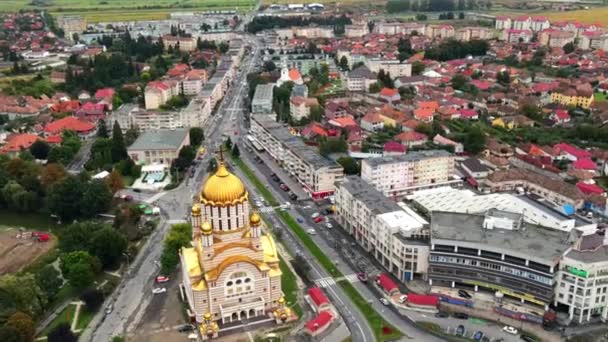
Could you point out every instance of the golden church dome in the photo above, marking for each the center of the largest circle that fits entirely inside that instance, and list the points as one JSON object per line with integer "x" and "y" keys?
{"x": 255, "y": 219}
{"x": 196, "y": 210}
{"x": 206, "y": 228}
{"x": 223, "y": 187}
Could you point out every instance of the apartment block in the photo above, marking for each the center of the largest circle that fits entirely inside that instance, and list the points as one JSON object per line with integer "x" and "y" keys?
{"x": 262, "y": 99}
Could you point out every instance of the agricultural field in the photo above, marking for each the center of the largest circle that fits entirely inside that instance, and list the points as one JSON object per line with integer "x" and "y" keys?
{"x": 325, "y": 2}
{"x": 18, "y": 249}
{"x": 590, "y": 16}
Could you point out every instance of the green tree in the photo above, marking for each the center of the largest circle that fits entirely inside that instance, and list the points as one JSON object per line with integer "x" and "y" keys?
{"x": 25, "y": 292}
{"x": 40, "y": 149}
{"x": 130, "y": 136}
{"x": 212, "y": 166}
{"x": 102, "y": 130}
{"x": 49, "y": 280}
{"x": 196, "y": 136}
{"x": 62, "y": 333}
{"x": 185, "y": 158}
{"x": 108, "y": 245}
{"x": 344, "y": 63}
{"x": 96, "y": 198}
{"x": 474, "y": 139}
{"x": 65, "y": 198}
{"x": 503, "y": 77}
{"x": 24, "y": 324}
{"x": 119, "y": 150}
{"x": 92, "y": 299}
{"x": 316, "y": 113}
{"x": 228, "y": 143}
{"x": 235, "y": 151}
{"x": 77, "y": 236}
{"x": 459, "y": 81}
{"x": 569, "y": 48}
{"x": 350, "y": 165}
{"x": 9, "y": 334}
{"x": 179, "y": 236}
{"x": 79, "y": 268}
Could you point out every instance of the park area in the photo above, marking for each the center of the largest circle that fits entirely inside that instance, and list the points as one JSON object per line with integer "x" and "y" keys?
{"x": 124, "y": 10}
{"x": 20, "y": 248}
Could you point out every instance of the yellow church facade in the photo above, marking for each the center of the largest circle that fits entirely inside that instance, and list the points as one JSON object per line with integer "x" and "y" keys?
{"x": 231, "y": 272}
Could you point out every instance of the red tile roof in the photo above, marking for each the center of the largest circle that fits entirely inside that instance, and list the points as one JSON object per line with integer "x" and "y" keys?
{"x": 584, "y": 164}
{"x": 422, "y": 299}
{"x": 575, "y": 151}
{"x": 317, "y": 296}
{"x": 19, "y": 142}
{"x": 388, "y": 92}
{"x": 393, "y": 146}
{"x": 69, "y": 123}
{"x": 54, "y": 139}
{"x": 294, "y": 74}
{"x": 104, "y": 93}
{"x": 386, "y": 283}
{"x": 411, "y": 136}
{"x": 423, "y": 113}
{"x": 589, "y": 189}
{"x": 324, "y": 318}
{"x": 562, "y": 114}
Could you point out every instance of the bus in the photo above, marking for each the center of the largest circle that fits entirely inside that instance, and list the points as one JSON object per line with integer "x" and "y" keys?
{"x": 255, "y": 143}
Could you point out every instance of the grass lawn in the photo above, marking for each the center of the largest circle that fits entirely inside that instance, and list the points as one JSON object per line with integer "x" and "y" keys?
{"x": 290, "y": 287}
{"x": 65, "y": 316}
{"x": 436, "y": 330}
{"x": 374, "y": 319}
{"x": 599, "y": 96}
{"x": 97, "y": 5}
{"x": 84, "y": 318}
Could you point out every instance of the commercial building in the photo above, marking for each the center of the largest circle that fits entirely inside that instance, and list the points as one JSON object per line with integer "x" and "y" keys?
{"x": 262, "y": 99}
{"x": 158, "y": 146}
{"x": 497, "y": 252}
{"x": 396, "y": 176}
{"x": 582, "y": 279}
{"x": 231, "y": 270}
{"x": 316, "y": 173}
{"x": 392, "y": 233}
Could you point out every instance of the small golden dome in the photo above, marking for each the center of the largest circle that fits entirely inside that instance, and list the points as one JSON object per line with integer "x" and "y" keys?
{"x": 281, "y": 300}
{"x": 196, "y": 210}
{"x": 206, "y": 228}
{"x": 255, "y": 219}
{"x": 223, "y": 187}
{"x": 207, "y": 316}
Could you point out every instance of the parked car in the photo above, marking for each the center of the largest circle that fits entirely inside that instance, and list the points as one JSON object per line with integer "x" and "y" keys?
{"x": 284, "y": 187}
{"x": 109, "y": 309}
{"x": 311, "y": 231}
{"x": 158, "y": 290}
{"x": 162, "y": 279}
{"x": 464, "y": 294}
{"x": 300, "y": 220}
{"x": 528, "y": 338}
{"x": 509, "y": 330}
{"x": 460, "y": 330}
{"x": 329, "y": 225}
{"x": 314, "y": 215}
{"x": 318, "y": 219}
{"x": 185, "y": 328}
{"x": 362, "y": 276}
{"x": 460, "y": 315}
{"x": 327, "y": 211}
{"x": 442, "y": 314}
{"x": 384, "y": 301}
{"x": 478, "y": 335}
{"x": 293, "y": 197}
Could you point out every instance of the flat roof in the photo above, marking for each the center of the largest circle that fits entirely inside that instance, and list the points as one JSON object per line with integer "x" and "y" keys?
{"x": 539, "y": 242}
{"x": 366, "y": 193}
{"x": 160, "y": 139}
{"x": 263, "y": 93}
{"x": 410, "y": 156}
{"x": 293, "y": 143}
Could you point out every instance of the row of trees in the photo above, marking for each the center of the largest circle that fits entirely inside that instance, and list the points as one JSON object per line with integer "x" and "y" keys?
{"x": 453, "y": 49}
{"x": 266, "y": 23}
{"x": 395, "y": 6}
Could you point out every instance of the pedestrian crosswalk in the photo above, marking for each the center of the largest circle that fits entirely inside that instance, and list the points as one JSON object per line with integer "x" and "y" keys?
{"x": 329, "y": 281}
{"x": 266, "y": 209}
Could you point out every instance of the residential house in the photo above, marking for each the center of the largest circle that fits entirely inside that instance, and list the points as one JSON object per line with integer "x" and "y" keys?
{"x": 336, "y": 108}
{"x": 412, "y": 138}
{"x": 390, "y": 95}
{"x": 193, "y": 81}
{"x": 563, "y": 151}
{"x": 84, "y": 129}
{"x": 580, "y": 96}
{"x": 538, "y": 24}
{"x": 157, "y": 93}
{"x": 514, "y": 36}
{"x": 299, "y": 107}
{"x": 91, "y": 111}
{"x": 372, "y": 122}
{"x": 560, "y": 116}
{"x": 523, "y": 22}
{"x": 360, "y": 79}
{"x": 503, "y": 22}
{"x": 15, "y": 143}
{"x": 441, "y": 140}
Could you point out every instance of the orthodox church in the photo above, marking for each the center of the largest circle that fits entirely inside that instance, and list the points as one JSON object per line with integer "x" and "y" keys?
{"x": 231, "y": 272}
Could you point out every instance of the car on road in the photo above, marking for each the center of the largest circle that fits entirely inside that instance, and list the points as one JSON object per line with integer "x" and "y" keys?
{"x": 528, "y": 338}
{"x": 329, "y": 225}
{"x": 312, "y": 231}
{"x": 259, "y": 204}
{"x": 158, "y": 290}
{"x": 315, "y": 215}
{"x": 442, "y": 314}
{"x": 284, "y": 187}
{"x": 318, "y": 219}
{"x": 464, "y": 294}
{"x": 136, "y": 190}
{"x": 460, "y": 315}
{"x": 509, "y": 330}
{"x": 162, "y": 279}
{"x": 185, "y": 328}
{"x": 460, "y": 330}
{"x": 109, "y": 309}
{"x": 362, "y": 276}
{"x": 478, "y": 335}
{"x": 300, "y": 220}
{"x": 384, "y": 301}
{"x": 293, "y": 197}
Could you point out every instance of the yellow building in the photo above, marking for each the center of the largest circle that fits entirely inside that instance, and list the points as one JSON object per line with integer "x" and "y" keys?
{"x": 499, "y": 122}
{"x": 571, "y": 97}
{"x": 231, "y": 272}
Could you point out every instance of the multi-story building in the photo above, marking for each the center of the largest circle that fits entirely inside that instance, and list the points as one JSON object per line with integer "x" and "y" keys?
{"x": 471, "y": 33}
{"x": 580, "y": 97}
{"x": 262, "y": 99}
{"x": 312, "y": 32}
{"x": 316, "y": 173}
{"x": 399, "y": 28}
{"x": 440, "y": 31}
{"x": 555, "y": 38}
{"x": 299, "y": 107}
{"x": 516, "y": 36}
{"x": 360, "y": 79}
{"x": 187, "y": 44}
{"x": 356, "y": 30}
{"x": 193, "y": 81}
{"x": 496, "y": 252}
{"x": 159, "y": 146}
{"x": 157, "y": 93}
{"x": 503, "y": 22}
{"x": 538, "y": 24}
{"x": 582, "y": 280}
{"x": 396, "y": 176}
{"x": 391, "y": 66}
{"x": 71, "y": 24}
{"x": 231, "y": 270}
{"x": 213, "y": 91}
{"x": 522, "y": 23}
{"x": 393, "y": 233}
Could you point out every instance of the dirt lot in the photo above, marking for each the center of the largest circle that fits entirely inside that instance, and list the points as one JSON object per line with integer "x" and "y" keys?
{"x": 15, "y": 253}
